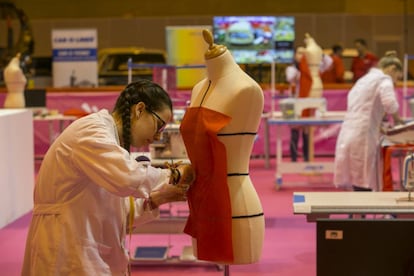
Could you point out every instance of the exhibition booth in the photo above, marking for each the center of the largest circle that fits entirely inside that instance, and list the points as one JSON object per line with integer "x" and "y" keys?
{"x": 29, "y": 131}
{"x": 65, "y": 100}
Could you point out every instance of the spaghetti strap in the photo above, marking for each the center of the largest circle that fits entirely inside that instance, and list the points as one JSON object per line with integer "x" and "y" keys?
{"x": 205, "y": 93}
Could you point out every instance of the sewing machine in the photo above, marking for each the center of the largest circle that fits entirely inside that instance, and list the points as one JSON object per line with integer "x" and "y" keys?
{"x": 292, "y": 107}
{"x": 170, "y": 146}
{"x": 401, "y": 134}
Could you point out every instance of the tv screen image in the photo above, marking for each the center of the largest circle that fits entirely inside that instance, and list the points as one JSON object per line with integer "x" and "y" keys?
{"x": 256, "y": 39}
{"x": 284, "y": 38}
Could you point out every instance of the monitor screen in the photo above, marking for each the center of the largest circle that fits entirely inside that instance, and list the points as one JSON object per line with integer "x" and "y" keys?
{"x": 256, "y": 39}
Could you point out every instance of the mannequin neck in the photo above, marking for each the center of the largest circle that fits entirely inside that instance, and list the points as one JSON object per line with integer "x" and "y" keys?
{"x": 221, "y": 66}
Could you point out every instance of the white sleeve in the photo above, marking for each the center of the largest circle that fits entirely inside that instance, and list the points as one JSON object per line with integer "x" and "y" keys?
{"x": 326, "y": 63}
{"x": 105, "y": 163}
{"x": 142, "y": 214}
{"x": 387, "y": 96}
{"x": 292, "y": 74}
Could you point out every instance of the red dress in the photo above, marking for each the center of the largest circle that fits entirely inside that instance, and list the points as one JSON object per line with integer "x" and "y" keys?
{"x": 210, "y": 218}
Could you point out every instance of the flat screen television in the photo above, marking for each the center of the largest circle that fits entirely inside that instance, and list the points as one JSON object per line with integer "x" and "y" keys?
{"x": 256, "y": 39}
{"x": 359, "y": 247}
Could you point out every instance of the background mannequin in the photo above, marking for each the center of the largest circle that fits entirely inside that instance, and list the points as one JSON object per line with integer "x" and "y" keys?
{"x": 15, "y": 83}
{"x": 229, "y": 104}
{"x": 311, "y": 86}
{"x": 314, "y": 54}
{"x": 298, "y": 76}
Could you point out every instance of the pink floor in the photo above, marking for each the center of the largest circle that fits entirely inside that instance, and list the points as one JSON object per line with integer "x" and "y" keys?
{"x": 289, "y": 248}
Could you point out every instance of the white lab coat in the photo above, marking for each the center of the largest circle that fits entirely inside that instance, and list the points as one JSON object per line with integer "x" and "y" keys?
{"x": 81, "y": 202}
{"x": 358, "y": 145}
{"x": 292, "y": 75}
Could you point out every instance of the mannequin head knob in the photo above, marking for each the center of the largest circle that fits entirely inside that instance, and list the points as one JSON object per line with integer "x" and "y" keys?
{"x": 213, "y": 50}
{"x": 208, "y": 37}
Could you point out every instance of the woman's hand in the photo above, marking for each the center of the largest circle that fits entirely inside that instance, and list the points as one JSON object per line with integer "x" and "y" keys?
{"x": 177, "y": 191}
{"x": 397, "y": 119}
{"x": 168, "y": 193}
{"x": 187, "y": 175}
{"x": 181, "y": 174}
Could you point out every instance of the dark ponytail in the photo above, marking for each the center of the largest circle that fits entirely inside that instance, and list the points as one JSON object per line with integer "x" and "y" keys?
{"x": 148, "y": 92}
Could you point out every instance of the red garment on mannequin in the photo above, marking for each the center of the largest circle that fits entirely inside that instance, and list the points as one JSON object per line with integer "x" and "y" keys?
{"x": 305, "y": 83}
{"x": 210, "y": 219}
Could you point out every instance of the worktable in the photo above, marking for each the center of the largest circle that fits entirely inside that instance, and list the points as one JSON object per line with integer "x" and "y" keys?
{"x": 317, "y": 205}
{"x": 366, "y": 245}
{"x": 328, "y": 118}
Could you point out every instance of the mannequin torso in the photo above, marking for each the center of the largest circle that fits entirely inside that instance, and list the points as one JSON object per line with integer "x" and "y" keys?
{"x": 229, "y": 92}
{"x": 234, "y": 93}
{"x": 314, "y": 55}
{"x": 15, "y": 83}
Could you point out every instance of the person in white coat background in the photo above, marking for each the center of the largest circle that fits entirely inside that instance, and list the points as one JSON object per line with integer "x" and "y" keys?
{"x": 358, "y": 146}
{"x": 90, "y": 190}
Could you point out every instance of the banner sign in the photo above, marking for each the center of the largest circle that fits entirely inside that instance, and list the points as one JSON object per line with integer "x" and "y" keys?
{"x": 75, "y": 57}
{"x": 185, "y": 48}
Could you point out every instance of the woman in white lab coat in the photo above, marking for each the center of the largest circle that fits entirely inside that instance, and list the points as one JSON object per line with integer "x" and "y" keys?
{"x": 88, "y": 184}
{"x": 358, "y": 145}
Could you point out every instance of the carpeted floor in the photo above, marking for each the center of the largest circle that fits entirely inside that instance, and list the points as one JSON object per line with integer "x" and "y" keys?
{"x": 289, "y": 248}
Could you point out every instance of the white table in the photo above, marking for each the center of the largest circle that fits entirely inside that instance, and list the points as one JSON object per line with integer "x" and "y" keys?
{"x": 16, "y": 164}
{"x": 56, "y": 123}
{"x": 62, "y": 120}
{"x": 328, "y": 118}
{"x": 362, "y": 245}
{"x": 323, "y": 204}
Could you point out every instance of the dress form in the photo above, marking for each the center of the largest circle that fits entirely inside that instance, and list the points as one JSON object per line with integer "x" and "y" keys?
{"x": 314, "y": 55}
{"x": 228, "y": 90}
{"x": 15, "y": 82}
